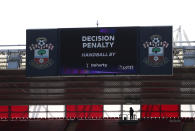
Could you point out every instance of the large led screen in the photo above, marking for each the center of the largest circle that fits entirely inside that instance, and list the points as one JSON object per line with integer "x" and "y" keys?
{"x": 99, "y": 51}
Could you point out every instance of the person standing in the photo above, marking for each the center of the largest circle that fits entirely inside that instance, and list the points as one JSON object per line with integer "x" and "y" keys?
{"x": 131, "y": 111}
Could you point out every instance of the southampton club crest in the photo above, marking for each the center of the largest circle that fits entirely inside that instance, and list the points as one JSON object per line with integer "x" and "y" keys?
{"x": 156, "y": 48}
{"x": 41, "y": 53}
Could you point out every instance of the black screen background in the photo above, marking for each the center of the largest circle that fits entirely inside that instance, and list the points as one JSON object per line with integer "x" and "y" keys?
{"x": 125, "y": 46}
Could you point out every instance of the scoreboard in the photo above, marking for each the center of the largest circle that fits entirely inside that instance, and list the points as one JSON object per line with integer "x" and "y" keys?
{"x": 99, "y": 51}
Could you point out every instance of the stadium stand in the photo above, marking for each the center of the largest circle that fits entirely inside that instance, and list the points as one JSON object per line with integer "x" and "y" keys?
{"x": 25, "y": 102}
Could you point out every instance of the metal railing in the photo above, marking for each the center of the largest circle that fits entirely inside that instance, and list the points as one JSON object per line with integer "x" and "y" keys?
{"x": 13, "y": 55}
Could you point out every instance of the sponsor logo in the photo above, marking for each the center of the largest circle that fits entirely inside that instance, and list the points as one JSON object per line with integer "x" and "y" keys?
{"x": 41, "y": 53}
{"x": 156, "y": 48}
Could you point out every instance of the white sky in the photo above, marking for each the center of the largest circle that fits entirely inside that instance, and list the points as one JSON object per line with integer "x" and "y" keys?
{"x": 18, "y": 15}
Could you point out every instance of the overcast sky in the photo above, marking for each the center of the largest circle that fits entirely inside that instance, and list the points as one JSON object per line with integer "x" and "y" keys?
{"x": 18, "y": 15}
